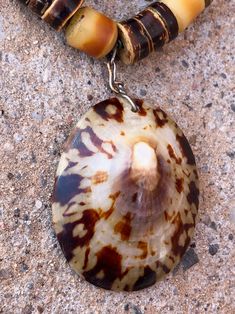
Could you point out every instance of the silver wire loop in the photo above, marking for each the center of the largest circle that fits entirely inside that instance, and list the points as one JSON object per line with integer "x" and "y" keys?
{"x": 116, "y": 86}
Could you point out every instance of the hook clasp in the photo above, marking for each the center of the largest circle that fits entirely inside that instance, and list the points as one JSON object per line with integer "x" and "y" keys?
{"x": 116, "y": 86}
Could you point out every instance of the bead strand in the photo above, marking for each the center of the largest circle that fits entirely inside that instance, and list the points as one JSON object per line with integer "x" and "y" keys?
{"x": 96, "y": 34}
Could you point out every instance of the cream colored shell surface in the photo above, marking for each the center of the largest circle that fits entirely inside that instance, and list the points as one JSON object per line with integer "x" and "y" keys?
{"x": 125, "y": 196}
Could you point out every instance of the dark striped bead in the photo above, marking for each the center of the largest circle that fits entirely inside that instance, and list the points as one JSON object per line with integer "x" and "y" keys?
{"x": 39, "y": 6}
{"x": 60, "y": 12}
{"x": 168, "y": 19}
{"x": 146, "y": 32}
{"x": 142, "y": 28}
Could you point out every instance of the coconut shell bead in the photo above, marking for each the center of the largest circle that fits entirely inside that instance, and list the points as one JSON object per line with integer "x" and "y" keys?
{"x": 60, "y": 11}
{"x": 92, "y": 32}
{"x": 146, "y": 32}
{"x": 37, "y": 6}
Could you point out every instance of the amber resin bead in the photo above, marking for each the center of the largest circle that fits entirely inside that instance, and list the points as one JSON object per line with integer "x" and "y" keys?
{"x": 92, "y": 32}
{"x": 185, "y": 11}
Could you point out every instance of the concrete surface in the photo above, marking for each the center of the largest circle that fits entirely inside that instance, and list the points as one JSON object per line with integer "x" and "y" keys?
{"x": 45, "y": 87}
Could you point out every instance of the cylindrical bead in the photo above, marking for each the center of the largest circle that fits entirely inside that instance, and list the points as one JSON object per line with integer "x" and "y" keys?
{"x": 185, "y": 11}
{"x": 60, "y": 11}
{"x": 39, "y": 6}
{"x": 92, "y": 32}
{"x": 155, "y": 26}
{"x": 146, "y": 32}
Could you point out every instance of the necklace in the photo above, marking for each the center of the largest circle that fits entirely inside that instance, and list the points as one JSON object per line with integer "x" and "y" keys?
{"x": 126, "y": 192}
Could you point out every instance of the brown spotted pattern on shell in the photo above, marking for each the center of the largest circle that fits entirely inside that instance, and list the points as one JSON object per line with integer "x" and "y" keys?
{"x": 125, "y": 196}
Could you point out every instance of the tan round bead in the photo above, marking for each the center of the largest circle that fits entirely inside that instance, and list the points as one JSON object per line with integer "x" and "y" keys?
{"x": 185, "y": 11}
{"x": 92, "y": 32}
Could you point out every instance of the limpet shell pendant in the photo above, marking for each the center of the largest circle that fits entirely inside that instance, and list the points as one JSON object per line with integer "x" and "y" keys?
{"x": 125, "y": 196}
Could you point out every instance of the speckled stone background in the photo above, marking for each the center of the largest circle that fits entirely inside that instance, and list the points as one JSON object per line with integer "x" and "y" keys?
{"x": 45, "y": 88}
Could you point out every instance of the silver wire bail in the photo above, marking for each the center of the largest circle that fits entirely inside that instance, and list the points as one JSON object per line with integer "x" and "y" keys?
{"x": 116, "y": 86}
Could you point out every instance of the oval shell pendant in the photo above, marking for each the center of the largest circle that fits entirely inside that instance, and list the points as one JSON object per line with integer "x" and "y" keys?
{"x": 125, "y": 196}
